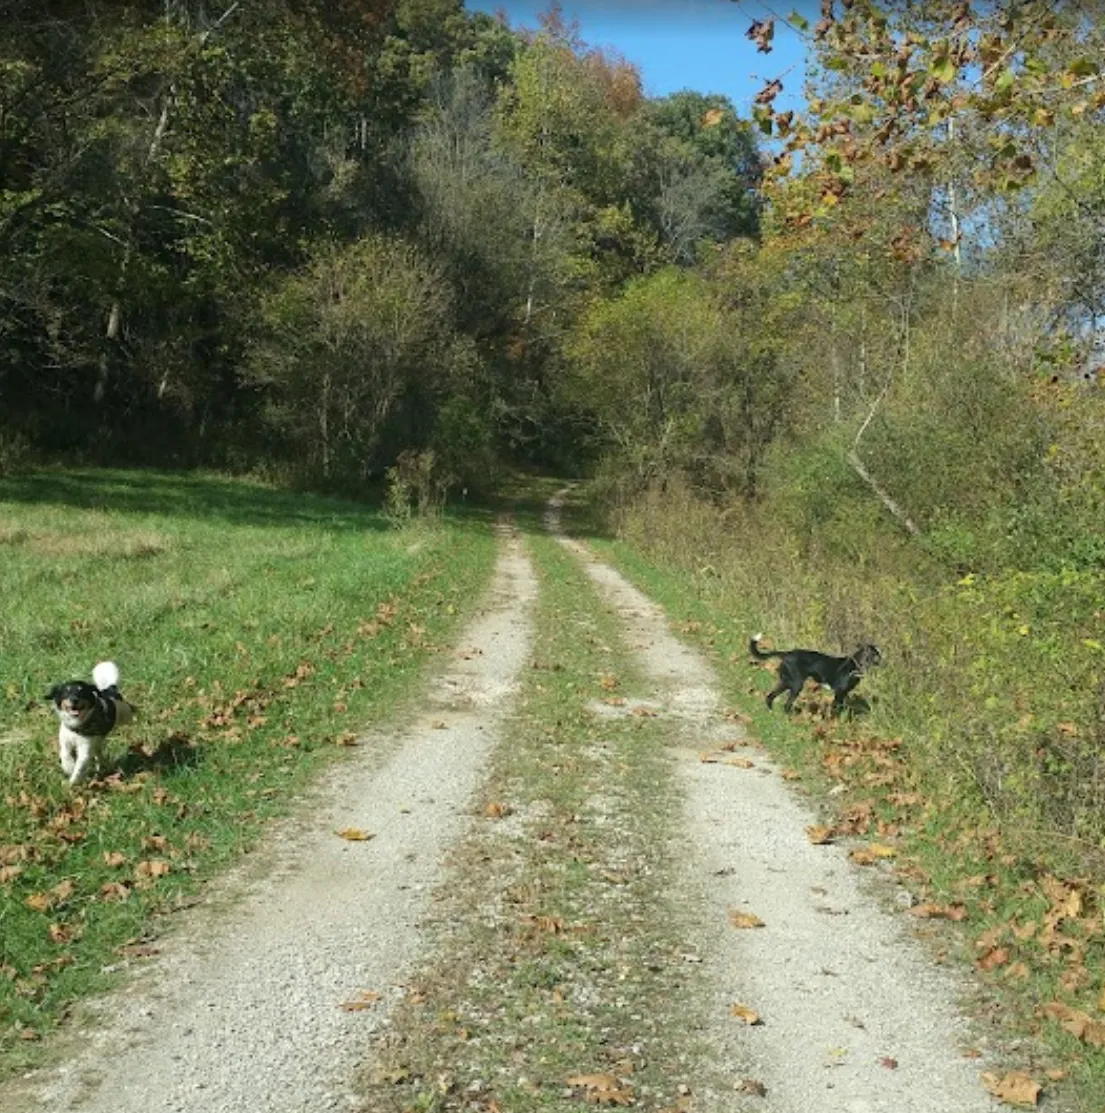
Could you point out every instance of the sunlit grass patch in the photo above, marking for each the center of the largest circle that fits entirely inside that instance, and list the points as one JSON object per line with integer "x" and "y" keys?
{"x": 257, "y": 632}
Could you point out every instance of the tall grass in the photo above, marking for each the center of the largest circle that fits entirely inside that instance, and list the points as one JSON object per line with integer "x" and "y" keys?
{"x": 258, "y": 631}
{"x": 994, "y": 682}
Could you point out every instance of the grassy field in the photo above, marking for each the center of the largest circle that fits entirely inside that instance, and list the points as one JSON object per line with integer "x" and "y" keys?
{"x": 258, "y": 631}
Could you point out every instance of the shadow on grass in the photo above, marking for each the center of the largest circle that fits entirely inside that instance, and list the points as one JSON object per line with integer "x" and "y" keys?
{"x": 175, "y": 752}
{"x": 188, "y": 495}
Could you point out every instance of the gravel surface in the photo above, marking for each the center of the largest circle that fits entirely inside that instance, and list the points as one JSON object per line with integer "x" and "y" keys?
{"x": 241, "y": 1011}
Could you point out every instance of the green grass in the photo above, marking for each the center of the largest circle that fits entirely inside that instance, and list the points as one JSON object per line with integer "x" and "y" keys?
{"x": 257, "y": 630}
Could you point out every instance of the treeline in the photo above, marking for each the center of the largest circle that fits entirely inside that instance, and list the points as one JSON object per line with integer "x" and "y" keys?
{"x": 307, "y": 236}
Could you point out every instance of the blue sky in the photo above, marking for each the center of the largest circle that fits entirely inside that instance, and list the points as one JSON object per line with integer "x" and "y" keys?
{"x": 685, "y": 44}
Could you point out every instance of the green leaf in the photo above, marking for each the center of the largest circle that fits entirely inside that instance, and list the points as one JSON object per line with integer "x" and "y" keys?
{"x": 1083, "y": 67}
{"x": 944, "y": 70}
{"x": 796, "y": 19}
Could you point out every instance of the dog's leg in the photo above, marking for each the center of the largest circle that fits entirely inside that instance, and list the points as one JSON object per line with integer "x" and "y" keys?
{"x": 84, "y": 760}
{"x": 67, "y": 754}
{"x": 775, "y": 692}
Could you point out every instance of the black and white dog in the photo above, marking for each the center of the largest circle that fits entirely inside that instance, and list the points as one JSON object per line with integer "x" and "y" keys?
{"x": 796, "y": 666}
{"x": 88, "y": 713}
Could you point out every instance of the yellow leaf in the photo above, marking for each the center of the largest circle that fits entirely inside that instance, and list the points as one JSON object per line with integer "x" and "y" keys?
{"x": 743, "y": 1012}
{"x": 354, "y": 834}
{"x": 819, "y": 835}
{"x": 744, "y": 919}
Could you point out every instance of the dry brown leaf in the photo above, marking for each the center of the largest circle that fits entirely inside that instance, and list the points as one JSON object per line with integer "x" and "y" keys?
{"x": 603, "y": 1089}
{"x": 744, "y": 919}
{"x": 743, "y": 1012}
{"x": 993, "y": 958}
{"x": 1014, "y": 1088}
{"x": 9, "y": 873}
{"x": 608, "y": 682}
{"x": 933, "y": 911}
{"x": 354, "y": 834}
{"x": 62, "y": 933}
{"x": 365, "y": 999}
{"x": 497, "y": 810}
{"x": 1080, "y": 1025}
{"x": 791, "y": 775}
{"x": 819, "y": 834}
{"x": 114, "y": 858}
{"x": 739, "y": 762}
{"x": 152, "y": 868}
{"x": 752, "y": 1086}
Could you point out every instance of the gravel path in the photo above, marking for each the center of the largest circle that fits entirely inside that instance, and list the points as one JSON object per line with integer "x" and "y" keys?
{"x": 855, "y": 1018}
{"x": 241, "y": 1011}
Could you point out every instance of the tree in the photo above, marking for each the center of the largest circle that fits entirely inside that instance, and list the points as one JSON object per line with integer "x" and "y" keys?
{"x": 359, "y": 340}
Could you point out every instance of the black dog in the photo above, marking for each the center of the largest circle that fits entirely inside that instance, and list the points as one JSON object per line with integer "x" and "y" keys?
{"x": 796, "y": 666}
{"x": 87, "y": 714}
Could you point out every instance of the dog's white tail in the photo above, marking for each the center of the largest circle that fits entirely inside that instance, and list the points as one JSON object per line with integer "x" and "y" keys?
{"x": 105, "y": 675}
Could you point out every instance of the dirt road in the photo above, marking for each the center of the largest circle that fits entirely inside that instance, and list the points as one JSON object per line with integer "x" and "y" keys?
{"x": 252, "y": 1004}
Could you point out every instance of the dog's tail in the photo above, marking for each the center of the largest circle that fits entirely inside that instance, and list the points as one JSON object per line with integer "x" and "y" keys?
{"x": 758, "y": 653}
{"x": 106, "y": 675}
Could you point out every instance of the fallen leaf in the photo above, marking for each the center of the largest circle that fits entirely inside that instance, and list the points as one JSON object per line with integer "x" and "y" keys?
{"x": 740, "y": 762}
{"x": 1080, "y": 1025}
{"x": 752, "y": 1086}
{"x": 743, "y": 1012}
{"x": 1014, "y": 1088}
{"x": 114, "y": 858}
{"x": 152, "y": 868}
{"x": 931, "y": 911}
{"x": 497, "y": 810}
{"x": 744, "y": 919}
{"x": 603, "y": 1089}
{"x": 354, "y": 834}
{"x": 888, "y": 1062}
{"x": 993, "y": 958}
{"x": 365, "y": 999}
{"x": 819, "y": 834}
